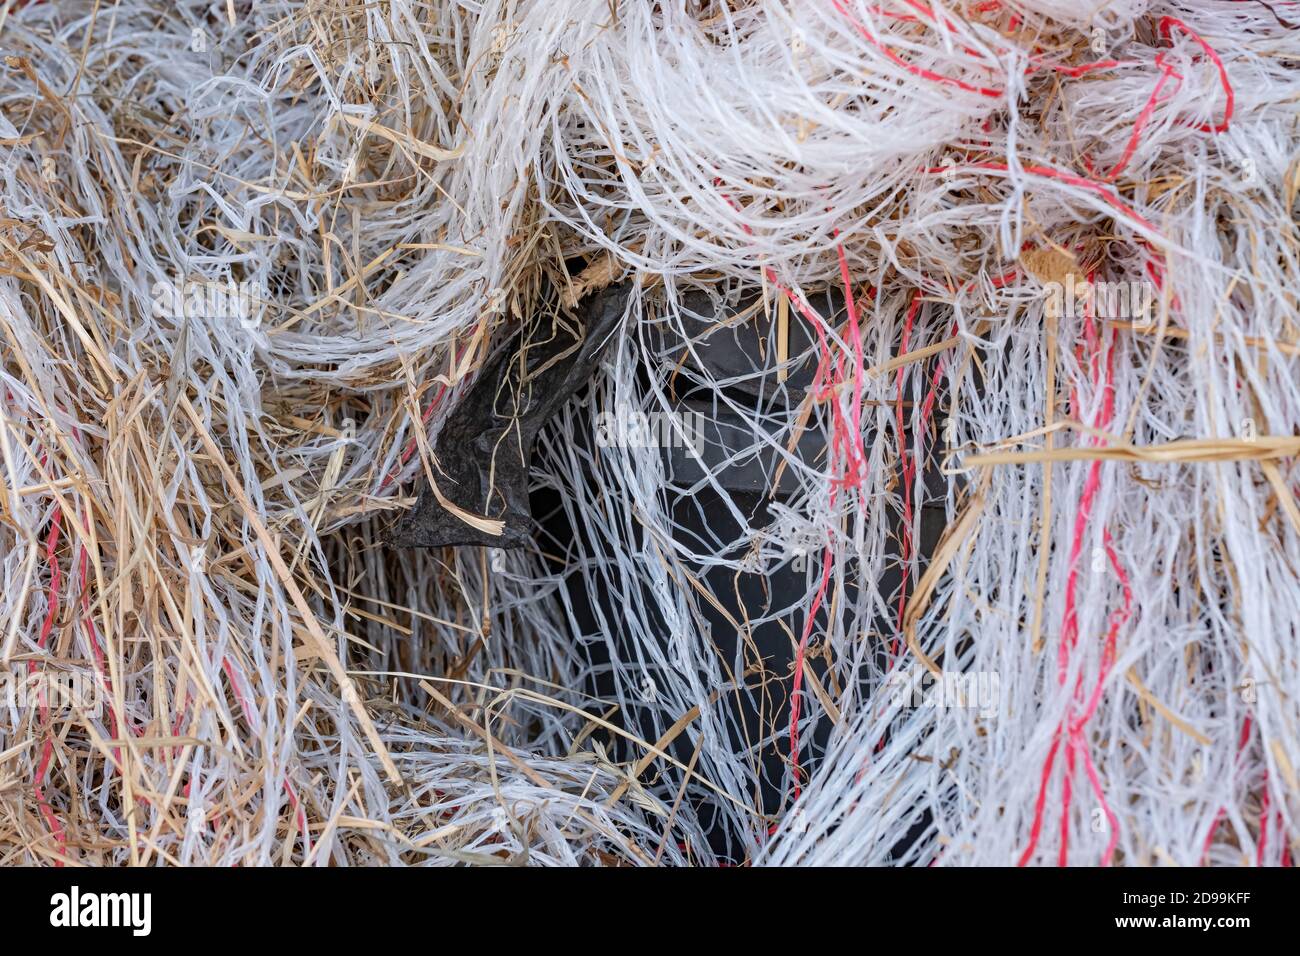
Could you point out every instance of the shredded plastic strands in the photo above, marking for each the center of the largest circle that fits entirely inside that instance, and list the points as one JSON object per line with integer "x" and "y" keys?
{"x": 1029, "y": 266}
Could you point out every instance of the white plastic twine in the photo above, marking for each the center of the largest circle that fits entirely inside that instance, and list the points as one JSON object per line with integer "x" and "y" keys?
{"x": 399, "y": 182}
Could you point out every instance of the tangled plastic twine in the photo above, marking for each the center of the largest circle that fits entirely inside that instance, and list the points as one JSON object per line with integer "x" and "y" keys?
{"x": 253, "y": 253}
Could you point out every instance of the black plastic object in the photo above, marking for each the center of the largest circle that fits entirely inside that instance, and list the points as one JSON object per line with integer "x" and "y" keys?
{"x": 484, "y": 449}
{"x": 731, "y": 341}
{"x": 738, "y": 344}
{"x": 484, "y": 453}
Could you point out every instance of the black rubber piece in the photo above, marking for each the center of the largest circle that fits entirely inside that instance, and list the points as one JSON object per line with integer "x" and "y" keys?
{"x": 485, "y": 447}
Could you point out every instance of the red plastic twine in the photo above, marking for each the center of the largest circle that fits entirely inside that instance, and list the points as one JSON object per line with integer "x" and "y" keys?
{"x": 1167, "y": 73}
{"x": 47, "y": 627}
{"x": 1079, "y": 710}
{"x": 1168, "y": 24}
{"x": 912, "y": 68}
{"x": 847, "y": 454}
